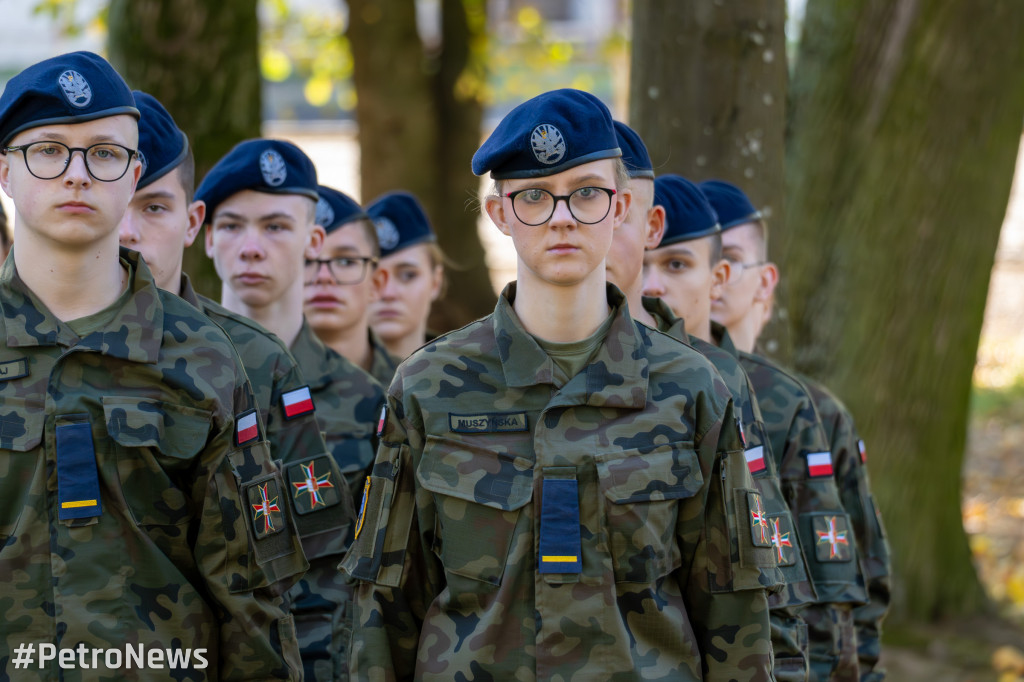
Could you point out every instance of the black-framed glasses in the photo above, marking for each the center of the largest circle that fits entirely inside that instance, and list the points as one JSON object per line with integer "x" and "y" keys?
{"x": 343, "y": 269}
{"x": 535, "y": 206}
{"x": 47, "y": 160}
{"x": 738, "y": 268}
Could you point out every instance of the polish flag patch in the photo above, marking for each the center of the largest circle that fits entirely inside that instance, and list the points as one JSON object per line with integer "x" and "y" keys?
{"x": 297, "y": 403}
{"x": 755, "y": 459}
{"x": 383, "y": 418}
{"x": 246, "y": 428}
{"x": 819, "y": 464}
{"x": 863, "y": 452}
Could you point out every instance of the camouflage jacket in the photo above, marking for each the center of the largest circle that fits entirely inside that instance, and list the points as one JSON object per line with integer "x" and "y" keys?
{"x": 140, "y": 503}
{"x": 348, "y": 403}
{"x": 806, "y": 467}
{"x": 384, "y": 364}
{"x": 851, "y": 473}
{"x": 513, "y": 529}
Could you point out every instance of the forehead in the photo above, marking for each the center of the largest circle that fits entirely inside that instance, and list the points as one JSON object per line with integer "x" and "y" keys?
{"x": 416, "y": 256}
{"x": 256, "y": 205}
{"x": 350, "y": 235}
{"x": 741, "y": 238}
{"x": 169, "y": 184}
{"x": 600, "y": 173}
{"x": 121, "y": 129}
{"x": 694, "y": 248}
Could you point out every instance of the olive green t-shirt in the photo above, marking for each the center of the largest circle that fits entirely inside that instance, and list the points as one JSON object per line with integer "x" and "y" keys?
{"x": 570, "y": 358}
{"x": 83, "y": 326}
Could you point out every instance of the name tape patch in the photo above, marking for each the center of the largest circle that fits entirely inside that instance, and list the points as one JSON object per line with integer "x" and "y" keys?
{"x": 13, "y": 369}
{"x": 487, "y": 423}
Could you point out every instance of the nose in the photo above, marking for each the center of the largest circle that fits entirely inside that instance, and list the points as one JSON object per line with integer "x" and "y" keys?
{"x": 562, "y": 216}
{"x": 323, "y": 273}
{"x": 389, "y": 291}
{"x": 128, "y": 230}
{"x": 252, "y": 247}
{"x": 76, "y": 174}
{"x": 653, "y": 284}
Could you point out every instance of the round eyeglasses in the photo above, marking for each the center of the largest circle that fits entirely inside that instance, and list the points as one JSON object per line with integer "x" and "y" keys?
{"x": 343, "y": 269}
{"x": 588, "y": 205}
{"x": 47, "y": 160}
{"x": 738, "y": 268}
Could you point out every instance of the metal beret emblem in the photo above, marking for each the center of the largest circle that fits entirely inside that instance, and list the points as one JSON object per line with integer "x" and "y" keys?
{"x": 548, "y": 143}
{"x": 273, "y": 168}
{"x": 387, "y": 233}
{"x": 324, "y": 213}
{"x": 75, "y": 88}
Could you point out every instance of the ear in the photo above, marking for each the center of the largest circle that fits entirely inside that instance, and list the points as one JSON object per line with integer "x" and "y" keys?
{"x": 378, "y": 280}
{"x": 495, "y": 207}
{"x": 5, "y": 174}
{"x": 136, "y": 173}
{"x": 623, "y": 200}
{"x": 655, "y": 227}
{"x": 196, "y": 215}
{"x": 768, "y": 281}
{"x": 317, "y": 235}
{"x": 720, "y": 273}
{"x": 208, "y": 241}
{"x": 435, "y": 289}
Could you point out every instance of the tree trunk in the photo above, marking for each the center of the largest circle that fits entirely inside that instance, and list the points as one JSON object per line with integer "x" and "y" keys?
{"x": 905, "y": 119}
{"x": 201, "y": 60}
{"x": 707, "y": 92}
{"x": 418, "y": 128}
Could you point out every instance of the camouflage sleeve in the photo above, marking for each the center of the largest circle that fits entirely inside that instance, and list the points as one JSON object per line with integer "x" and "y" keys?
{"x": 247, "y": 549}
{"x": 725, "y": 597}
{"x": 292, "y": 428}
{"x": 388, "y": 562}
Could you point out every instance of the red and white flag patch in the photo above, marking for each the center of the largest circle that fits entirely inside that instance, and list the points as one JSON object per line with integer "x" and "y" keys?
{"x": 755, "y": 459}
{"x": 383, "y": 418}
{"x": 819, "y": 463}
{"x": 863, "y": 452}
{"x": 297, "y": 403}
{"x": 246, "y": 428}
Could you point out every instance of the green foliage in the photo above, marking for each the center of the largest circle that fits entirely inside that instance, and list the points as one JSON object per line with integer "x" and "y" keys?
{"x": 67, "y": 16}
{"x": 1005, "y": 403}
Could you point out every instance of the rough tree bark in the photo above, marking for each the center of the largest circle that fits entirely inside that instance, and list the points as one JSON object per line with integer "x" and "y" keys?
{"x": 418, "y": 132}
{"x": 905, "y": 123}
{"x": 201, "y": 60}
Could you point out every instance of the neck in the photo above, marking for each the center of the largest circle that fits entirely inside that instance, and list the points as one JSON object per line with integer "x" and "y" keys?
{"x": 744, "y": 333}
{"x": 562, "y": 314}
{"x": 405, "y": 346}
{"x": 634, "y": 299}
{"x": 352, "y": 343}
{"x": 172, "y": 282}
{"x": 700, "y": 329}
{"x": 71, "y": 283}
{"x": 282, "y": 317}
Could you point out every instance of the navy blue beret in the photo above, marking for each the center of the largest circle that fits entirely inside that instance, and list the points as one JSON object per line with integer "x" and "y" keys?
{"x": 731, "y": 204}
{"x": 262, "y": 165}
{"x": 72, "y": 88}
{"x": 548, "y": 134}
{"x": 162, "y": 145}
{"x": 688, "y": 213}
{"x": 401, "y": 222}
{"x": 634, "y": 152}
{"x": 335, "y": 208}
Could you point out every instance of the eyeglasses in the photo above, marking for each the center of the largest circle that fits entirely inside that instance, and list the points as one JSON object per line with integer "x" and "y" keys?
{"x": 107, "y": 162}
{"x": 738, "y": 268}
{"x": 343, "y": 269}
{"x": 534, "y": 206}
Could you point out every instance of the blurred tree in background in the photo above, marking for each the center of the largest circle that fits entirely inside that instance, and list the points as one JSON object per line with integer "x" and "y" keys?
{"x": 201, "y": 60}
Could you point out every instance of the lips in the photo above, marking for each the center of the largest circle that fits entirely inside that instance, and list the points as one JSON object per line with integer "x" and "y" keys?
{"x": 563, "y": 249}
{"x": 323, "y": 301}
{"x": 251, "y": 278}
{"x": 75, "y": 207}
{"x": 387, "y": 313}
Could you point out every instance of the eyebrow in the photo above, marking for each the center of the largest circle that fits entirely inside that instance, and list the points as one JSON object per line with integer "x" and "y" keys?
{"x": 277, "y": 215}
{"x": 150, "y": 196}
{"x": 48, "y": 136}
{"x": 678, "y": 250}
{"x": 543, "y": 183}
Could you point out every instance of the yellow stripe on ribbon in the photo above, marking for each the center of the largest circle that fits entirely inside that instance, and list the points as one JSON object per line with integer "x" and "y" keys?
{"x": 559, "y": 559}
{"x": 80, "y": 503}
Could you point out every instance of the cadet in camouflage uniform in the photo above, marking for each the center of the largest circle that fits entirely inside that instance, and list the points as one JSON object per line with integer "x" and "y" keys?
{"x": 342, "y": 283}
{"x": 5, "y": 236}
{"x": 546, "y": 506}
{"x": 140, "y": 505}
{"x": 261, "y": 201}
{"x": 845, "y": 633}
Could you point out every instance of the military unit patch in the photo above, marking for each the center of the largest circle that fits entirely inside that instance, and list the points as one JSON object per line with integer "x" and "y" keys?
{"x": 267, "y": 517}
{"x": 760, "y": 531}
{"x": 247, "y": 427}
{"x": 781, "y": 534}
{"x": 755, "y": 459}
{"x": 819, "y": 463}
{"x": 312, "y": 488}
{"x": 832, "y": 538}
{"x": 297, "y": 403}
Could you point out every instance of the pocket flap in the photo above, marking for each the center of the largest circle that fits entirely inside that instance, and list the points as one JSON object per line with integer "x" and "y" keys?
{"x": 469, "y": 472}
{"x": 174, "y": 430}
{"x": 668, "y": 472}
{"x": 21, "y": 423}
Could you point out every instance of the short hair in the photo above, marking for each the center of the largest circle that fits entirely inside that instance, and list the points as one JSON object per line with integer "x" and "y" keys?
{"x": 715, "y": 241}
{"x": 5, "y": 237}
{"x": 761, "y": 231}
{"x": 370, "y": 232}
{"x": 187, "y": 175}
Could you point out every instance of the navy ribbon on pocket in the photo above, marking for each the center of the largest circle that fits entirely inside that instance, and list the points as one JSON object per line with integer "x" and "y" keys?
{"x": 560, "y": 527}
{"x": 78, "y": 485}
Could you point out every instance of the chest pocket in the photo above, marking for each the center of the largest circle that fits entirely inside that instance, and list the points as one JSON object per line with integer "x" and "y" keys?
{"x": 478, "y": 497}
{"x": 21, "y": 431}
{"x": 643, "y": 488}
{"x": 157, "y": 444}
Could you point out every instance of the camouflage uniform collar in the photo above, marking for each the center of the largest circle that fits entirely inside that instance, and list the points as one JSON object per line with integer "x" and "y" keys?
{"x": 722, "y": 339}
{"x": 313, "y": 357}
{"x": 188, "y": 293}
{"x": 667, "y": 321}
{"x": 615, "y": 377}
{"x": 134, "y": 334}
